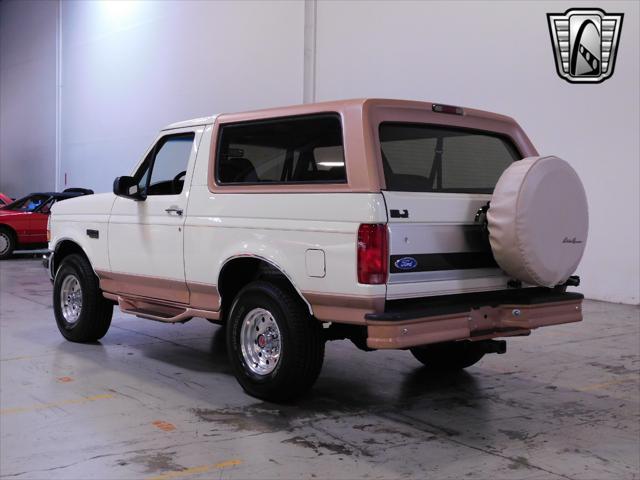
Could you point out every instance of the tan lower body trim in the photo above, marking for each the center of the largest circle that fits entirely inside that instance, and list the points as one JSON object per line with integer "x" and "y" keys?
{"x": 201, "y": 296}
{"x": 204, "y": 296}
{"x": 342, "y": 308}
{"x": 160, "y": 311}
{"x": 144, "y": 286}
{"x": 481, "y": 323}
{"x": 160, "y": 298}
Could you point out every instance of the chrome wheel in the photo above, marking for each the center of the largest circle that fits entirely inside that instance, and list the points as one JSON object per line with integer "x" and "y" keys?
{"x": 71, "y": 299}
{"x": 5, "y": 243}
{"x": 260, "y": 341}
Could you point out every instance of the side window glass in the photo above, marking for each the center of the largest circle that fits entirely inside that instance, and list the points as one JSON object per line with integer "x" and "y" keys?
{"x": 164, "y": 170}
{"x": 32, "y": 203}
{"x": 307, "y": 149}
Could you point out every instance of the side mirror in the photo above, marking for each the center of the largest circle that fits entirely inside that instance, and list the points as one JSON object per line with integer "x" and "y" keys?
{"x": 127, "y": 187}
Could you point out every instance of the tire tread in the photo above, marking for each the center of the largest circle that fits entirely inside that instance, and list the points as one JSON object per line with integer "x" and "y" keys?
{"x": 304, "y": 366}
{"x": 97, "y": 311}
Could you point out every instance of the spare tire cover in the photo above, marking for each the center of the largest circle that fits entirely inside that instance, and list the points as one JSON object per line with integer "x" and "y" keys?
{"x": 538, "y": 220}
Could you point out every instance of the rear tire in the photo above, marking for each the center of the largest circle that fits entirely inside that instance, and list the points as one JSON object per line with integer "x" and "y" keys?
{"x": 275, "y": 348}
{"x": 448, "y": 356}
{"x": 82, "y": 313}
{"x": 7, "y": 242}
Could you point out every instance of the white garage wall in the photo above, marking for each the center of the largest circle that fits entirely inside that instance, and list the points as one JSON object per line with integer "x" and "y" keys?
{"x": 130, "y": 68}
{"x": 28, "y": 33}
{"x": 498, "y": 57}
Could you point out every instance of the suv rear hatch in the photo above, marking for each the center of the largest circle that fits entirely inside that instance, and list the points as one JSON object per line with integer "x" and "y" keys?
{"x": 437, "y": 179}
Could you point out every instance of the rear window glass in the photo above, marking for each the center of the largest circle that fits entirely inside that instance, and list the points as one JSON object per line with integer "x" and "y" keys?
{"x": 286, "y": 150}
{"x": 426, "y": 158}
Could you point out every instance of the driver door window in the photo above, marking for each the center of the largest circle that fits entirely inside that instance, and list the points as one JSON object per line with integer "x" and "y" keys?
{"x": 167, "y": 163}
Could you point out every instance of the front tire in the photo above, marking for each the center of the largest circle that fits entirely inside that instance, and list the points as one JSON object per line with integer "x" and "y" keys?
{"x": 451, "y": 356}
{"x": 275, "y": 348}
{"x": 82, "y": 313}
{"x": 7, "y": 243}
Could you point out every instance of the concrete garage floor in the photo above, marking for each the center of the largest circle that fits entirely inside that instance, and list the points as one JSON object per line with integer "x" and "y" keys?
{"x": 158, "y": 401}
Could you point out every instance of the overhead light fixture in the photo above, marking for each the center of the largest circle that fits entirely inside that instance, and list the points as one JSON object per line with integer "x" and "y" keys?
{"x": 117, "y": 11}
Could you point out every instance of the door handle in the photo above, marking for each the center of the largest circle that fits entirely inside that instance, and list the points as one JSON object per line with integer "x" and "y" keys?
{"x": 173, "y": 210}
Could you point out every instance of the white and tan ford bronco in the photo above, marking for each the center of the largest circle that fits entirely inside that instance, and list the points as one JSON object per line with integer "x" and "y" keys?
{"x": 395, "y": 224}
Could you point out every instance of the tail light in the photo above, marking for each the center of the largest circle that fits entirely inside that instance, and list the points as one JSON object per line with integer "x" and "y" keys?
{"x": 49, "y": 229}
{"x": 373, "y": 252}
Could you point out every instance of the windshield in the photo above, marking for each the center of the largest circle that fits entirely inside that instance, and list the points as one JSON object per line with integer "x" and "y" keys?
{"x": 29, "y": 203}
{"x": 427, "y": 158}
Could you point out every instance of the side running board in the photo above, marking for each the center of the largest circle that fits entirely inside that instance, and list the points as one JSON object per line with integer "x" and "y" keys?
{"x": 160, "y": 311}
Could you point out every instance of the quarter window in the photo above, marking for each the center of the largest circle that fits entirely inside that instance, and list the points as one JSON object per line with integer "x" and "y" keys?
{"x": 279, "y": 151}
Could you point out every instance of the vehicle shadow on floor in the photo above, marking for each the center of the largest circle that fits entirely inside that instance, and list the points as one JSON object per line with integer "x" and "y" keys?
{"x": 379, "y": 398}
{"x": 205, "y": 355}
{"x": 348, "y": 381}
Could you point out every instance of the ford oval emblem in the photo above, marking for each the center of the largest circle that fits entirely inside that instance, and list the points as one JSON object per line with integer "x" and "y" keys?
{"x": 406, "y": 263}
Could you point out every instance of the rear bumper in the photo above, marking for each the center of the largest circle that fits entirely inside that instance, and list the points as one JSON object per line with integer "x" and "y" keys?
{"x": 470, "y": 317}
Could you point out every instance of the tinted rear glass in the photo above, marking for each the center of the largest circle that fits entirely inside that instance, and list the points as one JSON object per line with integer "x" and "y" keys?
{"x": 285, "y": 150}
{"x": 426, "y": 158}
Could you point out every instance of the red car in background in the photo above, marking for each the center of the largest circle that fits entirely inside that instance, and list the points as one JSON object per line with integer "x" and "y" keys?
{"x": 23, "y": 223}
